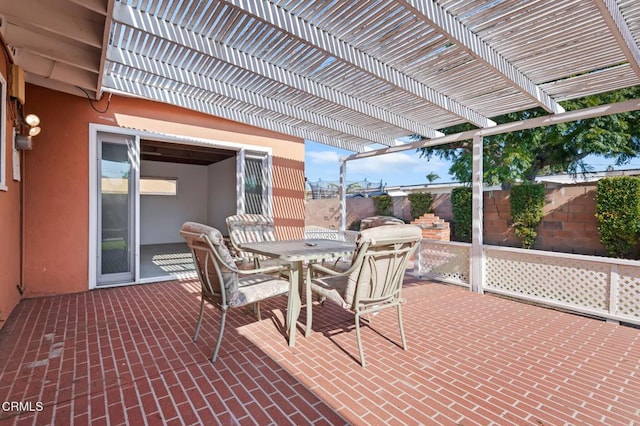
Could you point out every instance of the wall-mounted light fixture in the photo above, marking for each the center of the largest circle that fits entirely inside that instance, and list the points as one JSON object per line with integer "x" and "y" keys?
{"x": 25, "y": 128}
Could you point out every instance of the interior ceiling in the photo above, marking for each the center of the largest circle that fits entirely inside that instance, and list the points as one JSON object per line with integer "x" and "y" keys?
{"x": 355, "y": 74}
{"x": 179, "y": 153}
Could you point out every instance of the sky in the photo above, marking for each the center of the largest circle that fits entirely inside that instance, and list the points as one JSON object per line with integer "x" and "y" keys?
{"x": 403, "y": 168}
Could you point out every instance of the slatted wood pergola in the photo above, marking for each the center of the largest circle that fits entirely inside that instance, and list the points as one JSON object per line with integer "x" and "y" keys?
{"x": 354, "y": 74}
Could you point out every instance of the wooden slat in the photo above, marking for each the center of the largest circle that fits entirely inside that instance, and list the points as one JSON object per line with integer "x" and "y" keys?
{"x": 336, "y": 47}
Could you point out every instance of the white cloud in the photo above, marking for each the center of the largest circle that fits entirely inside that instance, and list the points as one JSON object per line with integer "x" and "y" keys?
{"x": 323, "y": 157}
{"x": 394, "y": 163}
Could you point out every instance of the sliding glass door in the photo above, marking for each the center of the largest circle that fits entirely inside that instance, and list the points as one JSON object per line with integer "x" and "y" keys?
{"x": 116, "y": 231}
{"x": 117, "y": 180}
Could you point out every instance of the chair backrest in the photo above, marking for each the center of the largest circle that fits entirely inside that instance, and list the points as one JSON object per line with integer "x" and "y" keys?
{"x": 379, "y": 263}
{"x": 214, "y": 264}
{"x": 250, "y": 228}
{"x": 375, "y": 221}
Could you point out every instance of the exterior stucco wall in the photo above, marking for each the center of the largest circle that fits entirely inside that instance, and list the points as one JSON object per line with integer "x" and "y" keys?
{"x": 9, "y": 222}
{"x": 57, "y": 176}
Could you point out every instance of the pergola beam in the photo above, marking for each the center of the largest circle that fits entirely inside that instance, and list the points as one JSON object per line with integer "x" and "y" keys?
{"x": 620, "y": 30}
{"x": 332, "y": 45}
{"x": 453, "y": 29}
{"x": 137, "y": 88}
{"x": 549, "y": 120}
{"x": 134, "y": 18}
{"x": 180, "y": 76}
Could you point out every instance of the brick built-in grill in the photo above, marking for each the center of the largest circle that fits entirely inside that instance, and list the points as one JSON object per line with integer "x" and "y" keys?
{"x": 433, "y": 227}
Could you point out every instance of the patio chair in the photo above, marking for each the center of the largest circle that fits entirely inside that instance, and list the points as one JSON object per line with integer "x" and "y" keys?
{"x": 374, "y": 221}
{"x": 344, "y": 263}
{"x": 374, "y": 280}
{"x": 251, "y": 228}
{"x": 222, "y": 283}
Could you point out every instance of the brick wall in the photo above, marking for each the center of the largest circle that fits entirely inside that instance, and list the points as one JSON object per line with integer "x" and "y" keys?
{"x": 433, "y": 228}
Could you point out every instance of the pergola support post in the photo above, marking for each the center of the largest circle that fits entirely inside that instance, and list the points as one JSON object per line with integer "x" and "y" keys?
{"x": 343, "y": 195}
{"x": 477, "y": 254}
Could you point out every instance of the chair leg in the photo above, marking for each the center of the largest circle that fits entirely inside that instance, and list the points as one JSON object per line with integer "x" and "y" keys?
{"x": 256, "y": 311}
{"x": 223, "y": 317}
{"x": 404, "y": 341}
{"x": 309, "y": 301}
{"x": 359, "y": 339}
{"x": 195, "y": 337}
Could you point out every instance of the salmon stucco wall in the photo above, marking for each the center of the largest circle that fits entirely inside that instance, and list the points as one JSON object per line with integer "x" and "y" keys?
{"x": 57, "y": 176}
{"x": 10, "y": 227}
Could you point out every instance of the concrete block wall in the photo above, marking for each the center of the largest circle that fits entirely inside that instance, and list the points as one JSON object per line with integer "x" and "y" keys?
{"x": 326, "y": 212}
{"x": 568, "y": 226}
{"x": 497, "y": 220}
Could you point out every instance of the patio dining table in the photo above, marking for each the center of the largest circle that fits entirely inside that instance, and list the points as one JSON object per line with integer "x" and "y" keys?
{"x": 297, "y": 252}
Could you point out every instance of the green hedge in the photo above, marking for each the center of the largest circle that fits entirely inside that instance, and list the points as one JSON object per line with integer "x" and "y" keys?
{"x": 618, "y": 214}
{"x": 383, "y": 205}
{"x": 421, "y": 203}
{"x": 527, "y": 205}
{"x": 461, "y": 199}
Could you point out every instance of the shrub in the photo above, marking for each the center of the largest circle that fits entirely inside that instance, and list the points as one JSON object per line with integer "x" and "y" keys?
{"x": 618, "y": 214}
{"x": 527, "y": 205}
{"x": 421, "y": 203}
{"x": 383, "y": 205}
{"x": 461, "y": 199}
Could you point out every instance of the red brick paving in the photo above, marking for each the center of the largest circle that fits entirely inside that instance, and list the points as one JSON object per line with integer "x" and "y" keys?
{"x": 125, "y": 356}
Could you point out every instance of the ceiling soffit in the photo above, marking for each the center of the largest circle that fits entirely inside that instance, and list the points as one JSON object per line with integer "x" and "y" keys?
{"x": 59, "y": 43}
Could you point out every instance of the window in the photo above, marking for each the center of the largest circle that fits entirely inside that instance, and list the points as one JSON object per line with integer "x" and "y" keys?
{"x": 158, "y": 186}
{"x": 253, "y": 188}
{"x": 3, "y": 134}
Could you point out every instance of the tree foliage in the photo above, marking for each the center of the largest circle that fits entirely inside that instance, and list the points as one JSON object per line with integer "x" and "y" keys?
{"x": 527, "y": 207}
{"x": 432, "y": 177}
{"x": 525, "y": 154}
{"x": 383, "y": 205}
{"x": 461, "y": 202}
{"x": 618, "y": 214}
{"x": 421, "y": 203}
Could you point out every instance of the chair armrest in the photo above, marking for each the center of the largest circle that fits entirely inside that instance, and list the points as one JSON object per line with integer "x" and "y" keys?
{"x": 316, "y": 267}
{"x": 267, "y": 270}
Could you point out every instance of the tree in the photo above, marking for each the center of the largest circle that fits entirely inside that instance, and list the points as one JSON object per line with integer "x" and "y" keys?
{"x": 525, "y": 154}
{"x": 432, "y": 176}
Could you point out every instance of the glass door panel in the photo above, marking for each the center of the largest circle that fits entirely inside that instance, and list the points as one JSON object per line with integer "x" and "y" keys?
{"x": 253, "y": 186}
{"x": 116, "y": 198}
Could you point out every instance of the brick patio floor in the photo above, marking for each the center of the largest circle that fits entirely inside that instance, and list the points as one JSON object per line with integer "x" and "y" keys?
{"x": 125, "y": 356}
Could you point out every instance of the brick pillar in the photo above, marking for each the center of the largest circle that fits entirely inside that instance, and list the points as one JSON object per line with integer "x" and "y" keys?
{"x": 433, "y": 228}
